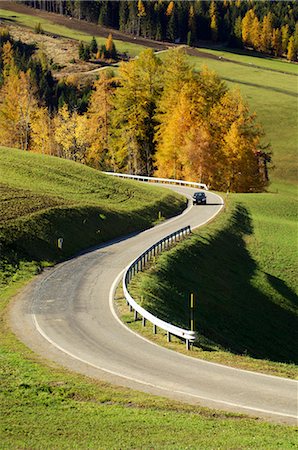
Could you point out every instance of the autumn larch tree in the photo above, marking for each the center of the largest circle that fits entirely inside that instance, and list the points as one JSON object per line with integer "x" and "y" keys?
{"x": 133, "y": 114}
{"x": 98, "y": 129}
{"x": 17, "y": 103}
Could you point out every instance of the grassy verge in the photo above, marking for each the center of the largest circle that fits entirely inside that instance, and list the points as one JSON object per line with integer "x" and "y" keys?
{"x": 50, "y": 27}
{"x": 245, "y": 317}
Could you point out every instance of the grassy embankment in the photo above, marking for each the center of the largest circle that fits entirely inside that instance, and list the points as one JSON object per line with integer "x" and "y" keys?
{"x": 244, "y": 266}
{"x": 45, "y": 198}
{"x": 29, "y": 21}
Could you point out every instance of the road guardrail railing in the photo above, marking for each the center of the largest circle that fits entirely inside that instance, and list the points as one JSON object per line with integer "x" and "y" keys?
{"x": 137, "y": 266}
{"x": 159, "y": 180}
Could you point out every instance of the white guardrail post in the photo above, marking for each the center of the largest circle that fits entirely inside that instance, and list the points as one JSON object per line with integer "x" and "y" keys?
{"x": 137, "y": 266}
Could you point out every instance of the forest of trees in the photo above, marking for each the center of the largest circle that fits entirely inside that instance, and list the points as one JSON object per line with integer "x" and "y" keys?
{"x": 154, "y": 117}
{"x": 266, "y": 26}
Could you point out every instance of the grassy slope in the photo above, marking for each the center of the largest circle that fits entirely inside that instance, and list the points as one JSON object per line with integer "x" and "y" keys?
{"x": 253, "y": 59}
{"x": 50, "y": 27}
{"x": 239, "y": 306}
{"x": 44, "y": 198}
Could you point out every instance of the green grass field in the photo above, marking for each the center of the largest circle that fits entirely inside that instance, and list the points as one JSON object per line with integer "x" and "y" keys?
{"x": 50, "y": 27}
{"x": 245, "y": 316}
{"x": 256, "y": 59}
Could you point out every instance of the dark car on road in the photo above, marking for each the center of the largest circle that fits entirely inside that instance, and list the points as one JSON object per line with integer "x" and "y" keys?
{"x": 199, "y": 198}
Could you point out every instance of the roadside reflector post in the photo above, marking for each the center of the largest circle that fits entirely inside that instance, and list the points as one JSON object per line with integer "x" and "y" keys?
{"x": 192, "y": 317}
{"x": 192, "y": 311}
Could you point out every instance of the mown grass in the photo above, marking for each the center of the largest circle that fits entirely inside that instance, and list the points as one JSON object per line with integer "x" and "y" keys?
{"x": 245, "y": 57}
{"x": 29, "y": 21}
{"x": 45, "y": 198}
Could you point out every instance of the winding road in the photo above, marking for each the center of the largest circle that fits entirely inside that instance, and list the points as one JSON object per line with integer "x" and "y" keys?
{"x": 66, "y": 315}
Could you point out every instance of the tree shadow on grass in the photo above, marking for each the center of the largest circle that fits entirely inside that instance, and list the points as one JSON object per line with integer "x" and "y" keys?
{"x": 233, "y": 310}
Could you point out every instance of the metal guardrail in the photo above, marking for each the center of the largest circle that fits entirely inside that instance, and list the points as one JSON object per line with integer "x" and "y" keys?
{"x": 136, "y": 266}
{"x": 159, "y": 180}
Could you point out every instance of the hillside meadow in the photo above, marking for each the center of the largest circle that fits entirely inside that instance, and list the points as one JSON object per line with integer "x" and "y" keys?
{"x": 44, "y": 198}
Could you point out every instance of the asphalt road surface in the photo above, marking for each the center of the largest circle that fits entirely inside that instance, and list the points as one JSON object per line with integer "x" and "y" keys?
{"x": 67, "y": 315}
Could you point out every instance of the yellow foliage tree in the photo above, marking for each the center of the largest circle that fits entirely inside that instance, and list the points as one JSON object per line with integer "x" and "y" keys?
{"x": 197, "y": 156}
{"x": 170, "y": 8}
{"x": 98, "y": 114}
{"x": 41, "y": 132}
{"x": 213, "y": 21}
{"x": 236, "y": 139}
{"x": 292, "y": 53}
{"x": 110, "y": 46}
{"x": 17, "y": 104}
{"x": 266, "y": 35}
{"x": 277, "y": 42}
{"x": 255, "y": 33}
{"x": 285, "y": 35}
{"x": 70, "y": 134}
{"x": 171, "y": 138}
{"x": 247, "y": 23}
{"x": 133, "y": 114}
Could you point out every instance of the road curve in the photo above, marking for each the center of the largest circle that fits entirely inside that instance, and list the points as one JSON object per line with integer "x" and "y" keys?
{"x": 66, "y": 315}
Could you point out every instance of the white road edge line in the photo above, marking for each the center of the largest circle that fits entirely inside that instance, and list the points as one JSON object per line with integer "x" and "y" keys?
{"x": 45, "y": 336}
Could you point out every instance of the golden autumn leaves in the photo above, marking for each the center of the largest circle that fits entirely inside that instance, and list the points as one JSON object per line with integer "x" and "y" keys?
{"x": 154, "y": 117}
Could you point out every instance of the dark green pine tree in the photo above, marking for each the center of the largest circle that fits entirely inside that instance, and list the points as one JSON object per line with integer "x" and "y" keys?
{"x": 93, "y": 45}
{"x": 103, "y": 13}
{"x": 81, "y": 50}
{"x": 123, "y": 16}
